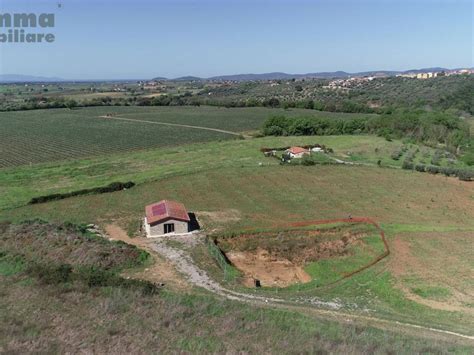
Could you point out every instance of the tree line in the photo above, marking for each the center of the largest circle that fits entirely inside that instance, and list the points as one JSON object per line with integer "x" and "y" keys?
{"x": 430, "y": 128}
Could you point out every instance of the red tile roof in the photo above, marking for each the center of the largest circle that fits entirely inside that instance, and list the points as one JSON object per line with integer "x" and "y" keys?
{"x": 297, "y": 150}
{"x": 164, "y": 210}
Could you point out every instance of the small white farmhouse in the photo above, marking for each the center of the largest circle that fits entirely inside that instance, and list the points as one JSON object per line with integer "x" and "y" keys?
{"x": 297, "y": 152}
{"x": 166, "y": 217}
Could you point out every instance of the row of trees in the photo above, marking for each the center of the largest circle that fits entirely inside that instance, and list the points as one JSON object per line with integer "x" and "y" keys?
{"x": 303, "y": 126}
{"x": 462, "y": 174}
{"x": 345, "y": 105}
{"x": 428, "y": 127}
{"x": 186, "y": 99}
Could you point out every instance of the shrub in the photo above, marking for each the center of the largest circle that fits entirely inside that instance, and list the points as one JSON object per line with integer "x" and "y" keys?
{"x": 411, "y": 155}
{"x": 437, "y": 156}
{"x": 274, "y": 131}
{"x": 408, "y": 165}
{"x": 449, "y": 171}
{"x": 420, "y": 168}
{"x": 396, "y": 154}
{"x": 147, "y": 288}
{"x": 433, "y": 169}
{"x": 115, "y": 186}
{"x": 468, "y": 158}
{"x": 465, "y": 175}
{"x": 307, "y": 161}
{"x": 273, "y": 102}
{"x": 51, "y": 274}
{"x": 95, "y": 277}
{"x": 92, "y": 276}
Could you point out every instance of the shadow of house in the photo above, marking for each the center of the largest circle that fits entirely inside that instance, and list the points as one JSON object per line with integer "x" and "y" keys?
{"x": 193, "y": 223}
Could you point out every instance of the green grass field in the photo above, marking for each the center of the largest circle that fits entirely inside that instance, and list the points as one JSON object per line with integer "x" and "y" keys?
{"x": 20, "y": 184}
{"x": 38, "y": 136}
{"x": 330, "y": 270}
{"x": 231, "y": 191}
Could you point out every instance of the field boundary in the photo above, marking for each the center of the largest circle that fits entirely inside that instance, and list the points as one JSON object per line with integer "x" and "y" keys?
{"x": 219, "y": 257}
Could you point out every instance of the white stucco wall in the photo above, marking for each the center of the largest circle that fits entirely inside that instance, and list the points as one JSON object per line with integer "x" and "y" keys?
{"x": 157, "y": 229}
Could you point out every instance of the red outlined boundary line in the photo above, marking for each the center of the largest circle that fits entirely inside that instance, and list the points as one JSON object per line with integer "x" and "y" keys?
{"x": 366, "y": 220}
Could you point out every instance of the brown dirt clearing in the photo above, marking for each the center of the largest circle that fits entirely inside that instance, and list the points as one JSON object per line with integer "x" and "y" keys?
{"x": 271, "y": 271}
{"x": 277, "y": 259}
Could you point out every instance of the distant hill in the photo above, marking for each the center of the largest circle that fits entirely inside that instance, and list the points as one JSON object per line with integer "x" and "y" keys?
{"x": 427, "y": 70}
{"x": 18, "y": 78}
{"x": 246, "y": 77}
{"x": 188, "y": 78}
{"x": 316, "y": 75}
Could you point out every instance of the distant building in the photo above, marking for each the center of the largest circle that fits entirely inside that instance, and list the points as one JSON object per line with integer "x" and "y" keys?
{"x": 297, "y": 152}
{"x": 428, "y": 75}
{"x": 166, "y": 217}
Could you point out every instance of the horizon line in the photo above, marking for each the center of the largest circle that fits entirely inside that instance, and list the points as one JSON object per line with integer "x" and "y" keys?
{"x": 151, "y": 77}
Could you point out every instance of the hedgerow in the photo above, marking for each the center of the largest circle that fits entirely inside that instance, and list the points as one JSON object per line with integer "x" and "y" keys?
{"x": 115, "y": 186}
{"x": 462, "y": 174}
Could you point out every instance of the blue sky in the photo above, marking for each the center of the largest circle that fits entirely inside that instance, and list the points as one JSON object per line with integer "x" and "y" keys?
{"x": 109, "y": 39}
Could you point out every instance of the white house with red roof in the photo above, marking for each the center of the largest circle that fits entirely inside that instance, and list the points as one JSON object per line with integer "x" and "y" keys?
{"x": 297, "y": 152}
{"x": 166, "y": 217}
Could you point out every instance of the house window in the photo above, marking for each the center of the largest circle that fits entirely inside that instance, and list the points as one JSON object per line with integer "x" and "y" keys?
{"x": 169, "y": 227}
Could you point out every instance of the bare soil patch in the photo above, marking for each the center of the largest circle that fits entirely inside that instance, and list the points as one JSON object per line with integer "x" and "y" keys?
{"x": 269, "y": 270}
{"x": 278, "y": 259}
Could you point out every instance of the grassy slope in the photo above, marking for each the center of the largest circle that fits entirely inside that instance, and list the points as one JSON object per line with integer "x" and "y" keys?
{"x": 226, "y": 177}
{"x": 49, "y": 318}
{"x": 56, "y": 316}
{"x": 39, "y": 136}
{"x": 19, "y": 185}
{"x": 249, "y": 195}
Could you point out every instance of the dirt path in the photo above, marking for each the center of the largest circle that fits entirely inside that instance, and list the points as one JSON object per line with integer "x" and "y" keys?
{"x": 198, "y": 277}
{"x": 160, "y": 271}
{"x": 175, "y": 125}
